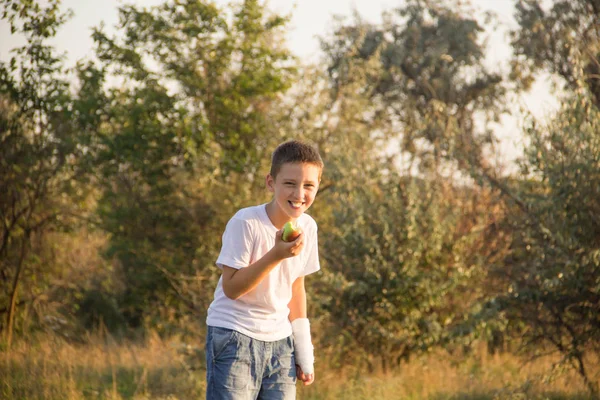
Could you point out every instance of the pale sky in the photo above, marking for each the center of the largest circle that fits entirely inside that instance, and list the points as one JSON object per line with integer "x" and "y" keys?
{"x": 310, "y": 18}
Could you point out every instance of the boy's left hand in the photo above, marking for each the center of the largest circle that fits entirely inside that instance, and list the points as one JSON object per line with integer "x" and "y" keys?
{"x": 306, "y": 379}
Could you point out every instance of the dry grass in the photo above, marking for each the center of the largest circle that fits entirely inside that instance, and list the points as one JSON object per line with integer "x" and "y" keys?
{"x": 438, "y": 376}
{"x": 101, "y": 369}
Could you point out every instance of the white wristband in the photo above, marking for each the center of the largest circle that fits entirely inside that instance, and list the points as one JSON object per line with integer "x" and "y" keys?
{"x": 303, "y": 348}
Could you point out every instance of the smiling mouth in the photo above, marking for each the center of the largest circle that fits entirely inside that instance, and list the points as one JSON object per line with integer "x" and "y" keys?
{"x": 296, "y": 204}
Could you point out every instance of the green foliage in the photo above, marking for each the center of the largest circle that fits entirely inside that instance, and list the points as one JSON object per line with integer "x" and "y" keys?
{"x": 551, "y": 296}
{"x": 97, "y": 309}
{"x": 562, "y": 38}
{"x": 38, "y": 148}
{"x": 402, "y": 248}
{"x": 431, "y": 82}
{"x": 190, "y": 108}
{"x": 220, "y": 75}
{"x": 389, "y": 268}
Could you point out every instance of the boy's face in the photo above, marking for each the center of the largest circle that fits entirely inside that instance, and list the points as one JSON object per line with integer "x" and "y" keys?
{"x": 294, "y": 189}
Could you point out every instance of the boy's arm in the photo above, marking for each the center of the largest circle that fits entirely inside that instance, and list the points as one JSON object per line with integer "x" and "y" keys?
{"x": 237, "y": 282}
{"x": 301, "y": 329}
{"x": 297, "y": 305}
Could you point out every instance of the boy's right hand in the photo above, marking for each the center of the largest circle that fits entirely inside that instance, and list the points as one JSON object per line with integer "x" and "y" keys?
{"x": 284, "y": 249}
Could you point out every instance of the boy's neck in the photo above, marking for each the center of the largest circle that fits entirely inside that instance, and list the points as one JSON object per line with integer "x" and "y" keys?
{"x": 278, "y": 219}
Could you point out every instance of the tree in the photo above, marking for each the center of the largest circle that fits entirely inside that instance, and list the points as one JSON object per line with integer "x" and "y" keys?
{"x": 563, "y": 39}
{"x": 188, "y": 116}
{"x": 37, "y": 146}
{"x": 432, "y": 84}
{"x": 403, "y": 243}
{"x": 550, "y": 295}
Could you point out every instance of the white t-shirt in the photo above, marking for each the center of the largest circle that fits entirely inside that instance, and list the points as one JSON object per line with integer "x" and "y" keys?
{"x": 261, "y": 313}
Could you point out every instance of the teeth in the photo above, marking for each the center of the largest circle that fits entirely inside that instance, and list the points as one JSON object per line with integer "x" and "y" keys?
{"x": 296, "y": 204}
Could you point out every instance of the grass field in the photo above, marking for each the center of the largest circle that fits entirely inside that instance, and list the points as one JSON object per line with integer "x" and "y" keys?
{"x": 51, "y": 368}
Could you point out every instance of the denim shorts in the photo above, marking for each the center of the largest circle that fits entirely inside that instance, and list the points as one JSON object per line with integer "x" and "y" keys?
{"x": 241, "y": 368}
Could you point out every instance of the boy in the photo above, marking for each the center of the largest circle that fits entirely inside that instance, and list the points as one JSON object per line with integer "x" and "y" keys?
{"x": 258, "y": 339}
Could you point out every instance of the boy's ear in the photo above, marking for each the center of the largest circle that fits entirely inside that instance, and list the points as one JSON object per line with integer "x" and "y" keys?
{"x": 270, "y": 182}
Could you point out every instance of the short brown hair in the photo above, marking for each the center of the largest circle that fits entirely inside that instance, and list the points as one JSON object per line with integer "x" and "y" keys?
{"x": 294, "y": 151}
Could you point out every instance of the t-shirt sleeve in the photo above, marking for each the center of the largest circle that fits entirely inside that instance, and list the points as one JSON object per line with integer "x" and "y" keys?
{"x": 312, "y": 260}
{"x": 237, "y": 245}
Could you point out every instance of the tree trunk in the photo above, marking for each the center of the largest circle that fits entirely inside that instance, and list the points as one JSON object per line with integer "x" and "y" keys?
{"x": 384, "y": 364}
{"x": 13, "y": 296}
{"x": 591, "y": 385}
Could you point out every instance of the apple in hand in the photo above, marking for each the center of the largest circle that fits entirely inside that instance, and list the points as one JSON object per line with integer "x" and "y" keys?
{"x": 290, "y": 231}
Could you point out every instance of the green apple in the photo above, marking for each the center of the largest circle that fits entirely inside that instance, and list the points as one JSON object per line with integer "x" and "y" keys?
{"x": 290, "y": 231}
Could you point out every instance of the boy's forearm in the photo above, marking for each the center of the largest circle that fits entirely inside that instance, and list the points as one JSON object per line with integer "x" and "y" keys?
{"x": 303, "y": 348}
{"x": 297, "y": 304}
{"x": 237, "y": 282}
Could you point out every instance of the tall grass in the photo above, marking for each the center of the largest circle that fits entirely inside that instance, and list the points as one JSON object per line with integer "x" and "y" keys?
{"x": 52, "y": 368}
{"x": 101, "y": 369}
{"x": 438, "y": 376}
